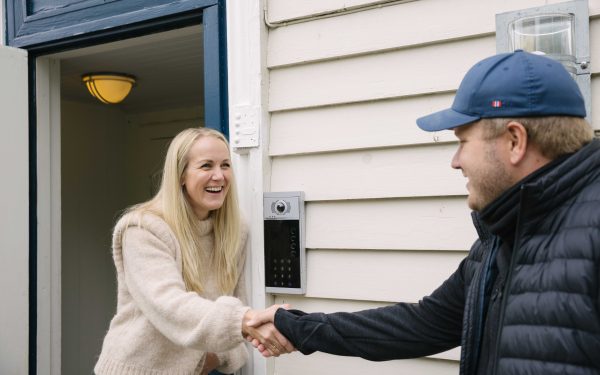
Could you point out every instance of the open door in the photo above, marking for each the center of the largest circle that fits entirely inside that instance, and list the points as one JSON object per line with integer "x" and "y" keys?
{"x": 31, "y": 145}
{"x": 14, "y": 211}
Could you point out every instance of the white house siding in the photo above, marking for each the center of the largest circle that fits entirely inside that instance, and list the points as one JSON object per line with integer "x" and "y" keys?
{"x": 386, "y": 216}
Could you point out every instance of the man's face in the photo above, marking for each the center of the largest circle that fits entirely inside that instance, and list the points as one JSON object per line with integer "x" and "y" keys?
{"x": 483, "y": 163}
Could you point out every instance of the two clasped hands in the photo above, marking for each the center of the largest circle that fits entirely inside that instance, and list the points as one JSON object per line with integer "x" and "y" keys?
{"x": 258, "y": 329}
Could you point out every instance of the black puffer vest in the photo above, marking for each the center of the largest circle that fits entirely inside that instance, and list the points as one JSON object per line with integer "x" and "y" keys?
{"x": 550, "y": 316}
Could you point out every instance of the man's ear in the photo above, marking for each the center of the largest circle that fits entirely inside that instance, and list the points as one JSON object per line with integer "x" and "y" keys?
{"x": 518, "y": 141}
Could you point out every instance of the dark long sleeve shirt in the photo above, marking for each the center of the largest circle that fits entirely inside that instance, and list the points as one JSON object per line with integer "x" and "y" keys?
{"x": 402, "y": 330}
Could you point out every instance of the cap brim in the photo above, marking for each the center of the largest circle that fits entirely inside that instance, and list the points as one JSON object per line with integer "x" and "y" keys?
{"x": 444, "y": 120}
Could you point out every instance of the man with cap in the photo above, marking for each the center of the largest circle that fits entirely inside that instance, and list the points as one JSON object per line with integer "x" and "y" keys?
{"x": 526, "y": 299}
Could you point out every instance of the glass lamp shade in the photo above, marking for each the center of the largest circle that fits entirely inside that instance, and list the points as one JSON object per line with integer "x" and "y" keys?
{"x": 547, "y": 34}
{"x": 109, "y": 88}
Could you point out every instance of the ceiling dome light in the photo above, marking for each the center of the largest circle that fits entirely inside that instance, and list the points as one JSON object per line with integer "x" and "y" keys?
{"x": 109, "y": 88}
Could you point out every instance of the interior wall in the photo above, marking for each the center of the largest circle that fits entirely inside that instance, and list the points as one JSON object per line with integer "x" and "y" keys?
{"x": 110, "y": 160}
{"x": 148, "y": 136}
{"x": 93, "y": 182}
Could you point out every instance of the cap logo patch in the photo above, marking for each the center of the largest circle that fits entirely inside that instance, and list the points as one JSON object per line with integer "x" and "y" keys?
{"x": 497, "y": 103}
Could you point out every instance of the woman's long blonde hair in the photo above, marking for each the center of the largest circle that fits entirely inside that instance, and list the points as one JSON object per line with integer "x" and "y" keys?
{"x": 171, "y": 204}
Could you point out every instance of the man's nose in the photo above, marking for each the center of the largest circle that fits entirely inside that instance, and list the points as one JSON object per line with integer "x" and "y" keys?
{"x": 455, "y": 161}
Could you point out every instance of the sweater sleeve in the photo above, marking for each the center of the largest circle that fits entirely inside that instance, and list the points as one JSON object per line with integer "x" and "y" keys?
{"x": 398, "y": 331}
{"x": 232, "y": 360}
{"x": 156, "y": 286}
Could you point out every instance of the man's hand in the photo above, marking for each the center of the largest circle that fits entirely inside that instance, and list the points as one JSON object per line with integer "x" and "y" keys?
{"x": 258, "y": 328}
{"x": 211, "y": 362}
{"x": 265, "y": 316}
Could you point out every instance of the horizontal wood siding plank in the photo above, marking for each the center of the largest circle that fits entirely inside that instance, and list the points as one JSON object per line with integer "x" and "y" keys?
{"x": 365, "y": 125}
{"x": 281, "y": 10}
{"x": 327, "y": 305}
{"x": 326, "y": 364}
{"x": 410, "y": 72}
{"x": 411, "y": 224}
{"x": 379, "y": 173}
{"x": 398, "y": 26}
{"x": 393, "y": 276}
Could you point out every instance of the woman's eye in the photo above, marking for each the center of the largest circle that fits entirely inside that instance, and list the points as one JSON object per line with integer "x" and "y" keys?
{"x": 225, "y": 165}
{"x": 205, "y": 166}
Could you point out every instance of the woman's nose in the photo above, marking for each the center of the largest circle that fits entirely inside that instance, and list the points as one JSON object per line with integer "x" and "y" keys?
{"x": 217, "y": 174}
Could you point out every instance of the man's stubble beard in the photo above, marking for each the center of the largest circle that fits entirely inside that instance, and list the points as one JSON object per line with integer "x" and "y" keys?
{"x": 490, "y": 182}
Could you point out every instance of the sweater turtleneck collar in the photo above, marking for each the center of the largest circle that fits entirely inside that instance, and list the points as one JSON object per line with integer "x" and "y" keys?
{"x": 500, "y": 216}
{"x": 205, "y": 227}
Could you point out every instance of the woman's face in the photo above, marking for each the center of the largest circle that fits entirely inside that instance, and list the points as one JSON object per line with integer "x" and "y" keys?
{"x": 207, "y": 176}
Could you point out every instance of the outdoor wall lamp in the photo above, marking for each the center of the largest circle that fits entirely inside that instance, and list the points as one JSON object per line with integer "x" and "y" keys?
{"x": 559, "y": 31}
{"x": 109, "y": 88}
{"x": 548, "y": 34}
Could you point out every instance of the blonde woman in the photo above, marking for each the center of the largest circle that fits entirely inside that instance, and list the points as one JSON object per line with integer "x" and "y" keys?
{"x": 179, "y": 260}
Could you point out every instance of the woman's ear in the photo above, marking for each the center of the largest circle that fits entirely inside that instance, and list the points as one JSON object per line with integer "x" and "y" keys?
{"x": 518, "y": 141}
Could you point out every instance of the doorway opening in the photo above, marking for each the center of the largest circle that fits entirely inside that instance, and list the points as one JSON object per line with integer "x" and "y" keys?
{"x": 111, "y": 158}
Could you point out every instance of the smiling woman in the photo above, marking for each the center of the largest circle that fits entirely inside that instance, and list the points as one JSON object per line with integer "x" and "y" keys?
{"x": 180, "y": 260}
{"x": 207, "y": 176}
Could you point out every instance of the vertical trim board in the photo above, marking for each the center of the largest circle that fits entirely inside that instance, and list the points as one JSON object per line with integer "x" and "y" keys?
{"x": 14, "y": 216}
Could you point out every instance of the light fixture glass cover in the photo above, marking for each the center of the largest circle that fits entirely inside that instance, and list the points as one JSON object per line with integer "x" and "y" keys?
{"x": 548, "y": 34}
{"x": 109, "y": 88}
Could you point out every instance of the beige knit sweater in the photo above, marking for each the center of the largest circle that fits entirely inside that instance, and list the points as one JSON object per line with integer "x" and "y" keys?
{"x": 159, "y": 327}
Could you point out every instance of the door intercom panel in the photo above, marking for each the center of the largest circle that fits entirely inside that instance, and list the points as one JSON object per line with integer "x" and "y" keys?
{"x": 285, "y": 254}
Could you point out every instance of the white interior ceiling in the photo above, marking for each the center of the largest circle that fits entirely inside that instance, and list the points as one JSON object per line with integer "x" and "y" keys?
{"x": 168, "y": 67}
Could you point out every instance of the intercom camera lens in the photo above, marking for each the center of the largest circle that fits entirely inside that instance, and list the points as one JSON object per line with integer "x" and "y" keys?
{"x": 280, "y": 206}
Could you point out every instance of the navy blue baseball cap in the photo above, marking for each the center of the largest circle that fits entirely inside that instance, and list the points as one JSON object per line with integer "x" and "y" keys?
{"x": 517, "y": 84}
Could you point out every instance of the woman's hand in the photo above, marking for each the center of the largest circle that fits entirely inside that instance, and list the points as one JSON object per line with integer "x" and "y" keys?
{"x": 262, "y": 330}
{"x": 266, "y": 330}
{"x": 211, "y": 362}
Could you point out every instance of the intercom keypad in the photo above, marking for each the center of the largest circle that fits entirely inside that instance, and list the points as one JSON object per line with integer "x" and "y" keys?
{"x": 284, "y": 244}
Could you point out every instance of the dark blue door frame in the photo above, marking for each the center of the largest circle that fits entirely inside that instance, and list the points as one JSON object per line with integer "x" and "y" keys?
{"x": 42, "y": 31}
{"x": 215, "y": 68}
{"x": 43, "y": 26}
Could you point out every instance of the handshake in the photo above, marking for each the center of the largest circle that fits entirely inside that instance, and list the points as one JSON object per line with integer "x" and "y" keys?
{"x": 259, "y": 329}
